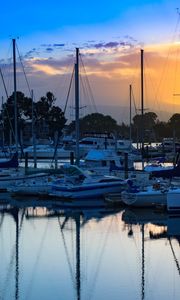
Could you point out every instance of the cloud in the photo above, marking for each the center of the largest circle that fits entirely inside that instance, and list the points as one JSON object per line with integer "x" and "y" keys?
{"x": 49, "y": 49}
{"x": 107, "y": 45}
{"x": 58, "y": 45}
{"x": 45, "y": 45}
{"x": 47, "y": 69}
{"x": 31, "y": 53}
{"x": 111, "y": 66}
{"x": 52, "y": 45}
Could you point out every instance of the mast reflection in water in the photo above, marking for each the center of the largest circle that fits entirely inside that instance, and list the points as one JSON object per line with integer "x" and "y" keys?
{"x": 91, "y": 253}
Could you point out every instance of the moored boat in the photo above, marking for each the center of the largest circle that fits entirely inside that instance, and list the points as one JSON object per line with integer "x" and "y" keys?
{"x": 147, "y": 196}
{"x": 84, "y": 185}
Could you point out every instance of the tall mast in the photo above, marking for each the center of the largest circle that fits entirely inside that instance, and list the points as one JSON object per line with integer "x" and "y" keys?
{"x": 33, "y": 132}
{"x": 130, "y": 117}
{"x": 142, "y": 103}
{"x": 15, "y": 94}
{"x": 77, "y": 104}
{"x": 2, "y": 111}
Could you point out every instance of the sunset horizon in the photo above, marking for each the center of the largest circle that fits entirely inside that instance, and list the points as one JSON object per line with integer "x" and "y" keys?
{"x": 110, "y": 50}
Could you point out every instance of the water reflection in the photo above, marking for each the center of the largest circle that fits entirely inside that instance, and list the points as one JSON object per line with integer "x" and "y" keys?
{"x": 159, "y": 225}
{"x": 165, "y": 225}
{"x": 61, "y": 252}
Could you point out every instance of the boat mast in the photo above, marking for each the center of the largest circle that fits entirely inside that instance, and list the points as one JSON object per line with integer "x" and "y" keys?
{"x": 130, "y": 116}
{"x": 2, "y": 111}
{"x": 142, "y": 104}
{"x": 33, "y": 132}
{"x": 77, "y": 104}
{"x": 15, "y": 94}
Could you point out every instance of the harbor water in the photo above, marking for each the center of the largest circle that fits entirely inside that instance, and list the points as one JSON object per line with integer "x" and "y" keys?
{"x": 50, "y": 251}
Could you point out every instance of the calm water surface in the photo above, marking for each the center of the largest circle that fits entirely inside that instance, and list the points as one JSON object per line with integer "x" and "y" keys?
{"x": 65, "y": 253}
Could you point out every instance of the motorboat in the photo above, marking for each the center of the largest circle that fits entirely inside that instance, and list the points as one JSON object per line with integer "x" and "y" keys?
{"x": 105, "y": 161}
{"x": 108, "y": 162}
{"x": 83, "y": 184}
{"x": 97, "y": 141}
{"x": 50, "y": 152}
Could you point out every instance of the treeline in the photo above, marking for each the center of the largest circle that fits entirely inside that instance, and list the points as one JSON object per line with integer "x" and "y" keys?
{"x": 149, "y": 126}
{"x": 46, "y": 112}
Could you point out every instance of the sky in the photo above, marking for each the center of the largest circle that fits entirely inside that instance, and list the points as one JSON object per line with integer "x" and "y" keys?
{"x": 110, "y": 36}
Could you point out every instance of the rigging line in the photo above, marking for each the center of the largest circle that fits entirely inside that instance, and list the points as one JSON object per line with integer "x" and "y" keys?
{"x": 83, "y": 84}
{"x": 11, "y": 262}
{"x": 2, "y": 77}
{"x": 23, "y": 70}
{"x": 153, "y": 88}
{"x": 64, "y": 82}
{"x": 67, "y": 98}
{"x": 175, "y": 74}
{"x": 175, "y": 258}
{"x": 145, "y": 90}
{"x": 136, "y": 111}
{"x": 12, "y": 129}
{"x": 29, "y": 288}
{"x": 1, "y": 221}
{"x": 91, "y": 94}
{"x": 88, "y": 84}
{"x": 84, "y": 90}
{"x": 134, "y": 226}
{"x": 22, "y": 217}
{"x": 167, "y": 58}
{"x": 100, "y": 259}
{"x": 7, "y": 65}
{"x": 67, "y": 254}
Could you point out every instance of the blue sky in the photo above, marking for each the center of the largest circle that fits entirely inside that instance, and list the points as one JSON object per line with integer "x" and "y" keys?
{"x": 107, "y": 33}
{"x": 80, "y": 21}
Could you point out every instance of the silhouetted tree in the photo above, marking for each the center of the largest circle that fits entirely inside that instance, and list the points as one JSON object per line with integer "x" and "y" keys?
{"x": 149, "y": 121}
{"x": 44, "y": 111}
{"x": 96, "y": 122}
{"x": 23, "y": 112}
{"x": 174, "y": 124}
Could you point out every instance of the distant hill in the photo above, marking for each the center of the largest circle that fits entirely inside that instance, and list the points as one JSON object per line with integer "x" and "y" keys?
{"x": 121, "y": 114}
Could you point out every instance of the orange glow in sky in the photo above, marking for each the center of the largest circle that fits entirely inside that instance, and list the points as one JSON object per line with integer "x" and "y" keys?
{"x": 109, "y": 38}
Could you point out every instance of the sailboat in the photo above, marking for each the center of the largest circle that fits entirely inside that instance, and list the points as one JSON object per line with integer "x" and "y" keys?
{"x": 10, "y": 173}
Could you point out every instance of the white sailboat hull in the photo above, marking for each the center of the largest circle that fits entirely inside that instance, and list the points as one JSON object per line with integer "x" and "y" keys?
{"x": 90, "y": 190}
{"x": 148, "y": 198}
